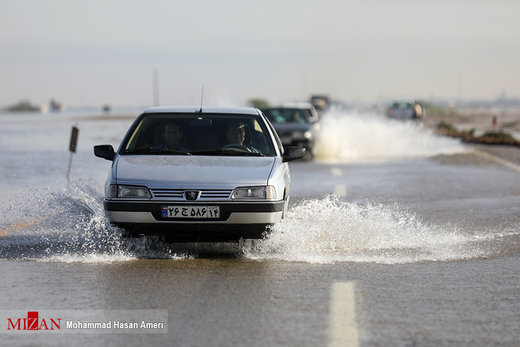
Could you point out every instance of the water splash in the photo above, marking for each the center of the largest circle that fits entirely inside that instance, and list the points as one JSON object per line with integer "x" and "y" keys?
{"x": 352, "y": 137}
{"x": 70, "y": 226}
{"x": 329, "y": 230}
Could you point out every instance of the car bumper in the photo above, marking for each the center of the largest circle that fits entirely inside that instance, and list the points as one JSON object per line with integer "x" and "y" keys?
{"x": 307, "y": 144}
{"x": 233, "y": 215}
{"x": 237, "y": 220}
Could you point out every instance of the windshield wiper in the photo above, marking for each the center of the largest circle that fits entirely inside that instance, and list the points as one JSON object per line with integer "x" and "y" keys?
{"x": 229, "y": 152}
{"x": 153, "y": 150}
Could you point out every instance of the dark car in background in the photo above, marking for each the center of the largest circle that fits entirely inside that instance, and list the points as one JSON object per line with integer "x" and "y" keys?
{"x": 297, "y": 124}
{"x": 406, "y": 110}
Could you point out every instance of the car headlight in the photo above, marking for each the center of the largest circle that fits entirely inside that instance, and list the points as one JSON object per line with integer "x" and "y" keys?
{"x": 254, "y": 193}
{"x": 128, "y": 192}
{"x": 303, "y": 135}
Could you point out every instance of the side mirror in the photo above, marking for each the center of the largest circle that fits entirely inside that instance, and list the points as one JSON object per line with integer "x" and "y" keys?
{"x": 105, "y": 152}
{"x": 293, "y": 153}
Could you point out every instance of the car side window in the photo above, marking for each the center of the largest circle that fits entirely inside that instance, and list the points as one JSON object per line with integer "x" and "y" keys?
{"x": 258, "y": 137}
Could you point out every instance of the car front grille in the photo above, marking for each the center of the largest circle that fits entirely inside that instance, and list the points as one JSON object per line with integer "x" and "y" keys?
{"x": 178, "y": 194}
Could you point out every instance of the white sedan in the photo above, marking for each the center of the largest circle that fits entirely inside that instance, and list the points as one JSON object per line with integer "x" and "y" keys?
{"x": 199, "y": 174}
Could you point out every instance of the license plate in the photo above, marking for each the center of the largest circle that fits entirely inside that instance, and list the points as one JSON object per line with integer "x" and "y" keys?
{"x": 191, "y": 211}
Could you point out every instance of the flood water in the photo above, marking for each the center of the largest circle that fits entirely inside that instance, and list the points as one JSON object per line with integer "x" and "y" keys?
{"x": 426, "y": 228}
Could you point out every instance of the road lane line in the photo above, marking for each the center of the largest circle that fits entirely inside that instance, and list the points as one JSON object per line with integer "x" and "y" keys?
{"x": 340, "y": 190}
{"x": 336, "y": 172}
{"x": 498, "y": 160}
{"x": 342, "y": 316}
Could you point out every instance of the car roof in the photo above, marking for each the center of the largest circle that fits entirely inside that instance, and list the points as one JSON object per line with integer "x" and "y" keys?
{"x": 401, "y": 101}
{"x": 302, "y": 105}
{"x": 205, "y": 109}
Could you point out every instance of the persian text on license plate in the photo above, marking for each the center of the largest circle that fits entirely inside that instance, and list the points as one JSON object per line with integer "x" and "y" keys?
{"x": 191, "y": 211}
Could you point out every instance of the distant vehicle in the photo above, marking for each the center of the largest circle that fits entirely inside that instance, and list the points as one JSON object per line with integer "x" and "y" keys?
{"x": 208, "y": 174}
{"x": 406, "y": 110}
{"x": 320, "y": 102}
{"x": 297, "y": 124}
{"x": 55, "y": 106}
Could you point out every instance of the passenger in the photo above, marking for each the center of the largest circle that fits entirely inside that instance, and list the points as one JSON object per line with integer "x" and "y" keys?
{"x": 236, "y": 135}
{"x": 172, "y": 136}
{"x": 296, "y": 118}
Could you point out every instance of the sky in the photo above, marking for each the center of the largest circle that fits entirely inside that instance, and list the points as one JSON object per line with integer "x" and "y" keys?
{"x": 90, "y": 53}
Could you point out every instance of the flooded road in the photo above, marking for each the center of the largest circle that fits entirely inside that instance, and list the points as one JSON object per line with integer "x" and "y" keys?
{"x": 395, "y": 237}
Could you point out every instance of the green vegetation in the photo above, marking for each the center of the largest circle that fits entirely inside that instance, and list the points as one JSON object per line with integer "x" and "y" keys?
{"x": 443, "y": 126}
{"x": 433, "y": 110}
{"x": 447, "y": 129}
{"x": 23, "y": 106}
{"x": 258, "y": 102}
{"x": 499, "y": 136}
{"x": 510, "y": 124}
{"x": 490, "y": 137}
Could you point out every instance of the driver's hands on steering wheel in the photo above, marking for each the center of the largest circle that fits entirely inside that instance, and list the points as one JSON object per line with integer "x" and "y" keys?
{"x": 241, "y": 148}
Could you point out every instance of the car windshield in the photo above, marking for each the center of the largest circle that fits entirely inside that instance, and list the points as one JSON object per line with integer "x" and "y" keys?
{"x": 287, "y": 115}
{"x": 402, "y": 105}
{"x": 199, "y": 134}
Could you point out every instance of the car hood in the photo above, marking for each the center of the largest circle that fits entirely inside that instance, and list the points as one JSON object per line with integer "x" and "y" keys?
{"x": 192, "y": 172}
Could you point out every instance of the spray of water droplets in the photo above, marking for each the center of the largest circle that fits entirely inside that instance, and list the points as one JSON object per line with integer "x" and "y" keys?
{"x": 329, "y": 230}
{"x": 351, "y": 136}
{"x": 70, "y": 226}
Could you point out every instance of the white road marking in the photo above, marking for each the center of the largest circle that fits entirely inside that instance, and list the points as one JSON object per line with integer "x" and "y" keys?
{"x": 336, "y": 172}
{"x": 340, "y": 190}
{"x": 498, "y": 160}
{"x": 342, "y": 316}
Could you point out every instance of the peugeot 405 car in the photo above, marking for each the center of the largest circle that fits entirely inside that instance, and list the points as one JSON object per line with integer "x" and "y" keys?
{"x": 201, "y": 174}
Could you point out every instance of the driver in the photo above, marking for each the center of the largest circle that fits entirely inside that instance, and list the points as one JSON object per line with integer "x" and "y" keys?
{"x": 235, "y": 136}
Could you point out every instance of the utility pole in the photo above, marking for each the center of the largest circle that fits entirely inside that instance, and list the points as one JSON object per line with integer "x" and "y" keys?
{"x": 459, "y": 88}
{"x": 155, "y": 87}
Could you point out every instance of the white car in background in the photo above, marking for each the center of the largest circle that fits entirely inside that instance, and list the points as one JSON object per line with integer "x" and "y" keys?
{"x": 206, "y": 188}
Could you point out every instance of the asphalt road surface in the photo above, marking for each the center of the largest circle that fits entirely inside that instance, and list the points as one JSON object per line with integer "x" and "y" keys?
{"x": 411, "y": 251}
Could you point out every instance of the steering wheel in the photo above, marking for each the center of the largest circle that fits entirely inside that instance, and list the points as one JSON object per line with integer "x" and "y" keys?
{"x": 238, "y": 148}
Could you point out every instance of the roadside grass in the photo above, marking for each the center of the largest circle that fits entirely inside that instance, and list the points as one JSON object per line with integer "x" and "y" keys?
{"x": 510, "y": 124}
{"x": 495, "y": 137}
